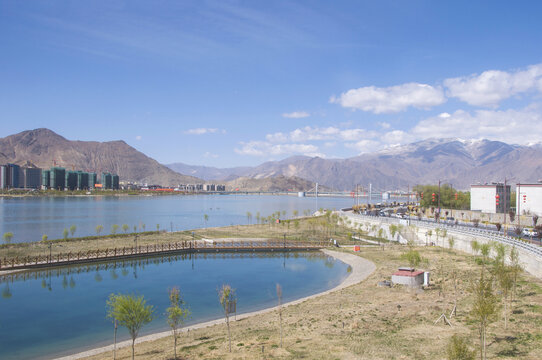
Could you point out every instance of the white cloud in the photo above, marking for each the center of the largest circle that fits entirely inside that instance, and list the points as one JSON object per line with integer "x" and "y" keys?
{"x": 264, "y": 148}
{"x": 364, "y": 146}
{"x": 202, "y": 131}
{"x": 510, "y": 126}
{"x": 138, "y": 137}
{"x": 492, "y": 86}
{"x": 309, "y": 133}
{"x": 384, "y": 125}
{"x": 397, "y": 137}
{"x": 391, "y": 99}
{"x": 210, "y": 155}
{"x": 296, "y": 115}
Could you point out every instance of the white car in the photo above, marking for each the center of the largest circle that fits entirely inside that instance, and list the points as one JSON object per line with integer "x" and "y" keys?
{"x": 529, "y": 232}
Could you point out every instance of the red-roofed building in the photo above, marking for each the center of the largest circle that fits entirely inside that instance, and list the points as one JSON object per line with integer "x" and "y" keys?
{"x": 408, "y": 276}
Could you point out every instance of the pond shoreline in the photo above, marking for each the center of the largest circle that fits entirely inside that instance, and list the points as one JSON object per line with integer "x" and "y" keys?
{"x": 361, "y": 269}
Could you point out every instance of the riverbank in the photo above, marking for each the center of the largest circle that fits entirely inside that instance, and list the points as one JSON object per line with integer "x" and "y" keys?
{"x": 360, "y": 270}
{"x": 298, "y": 229}
{"x": 365, "y": 321}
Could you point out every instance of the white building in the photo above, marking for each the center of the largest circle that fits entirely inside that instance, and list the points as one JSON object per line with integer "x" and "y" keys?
{"x": 408, "y": 276}
{"x": 529, "y": 198}
{"x": 484, "y": 198}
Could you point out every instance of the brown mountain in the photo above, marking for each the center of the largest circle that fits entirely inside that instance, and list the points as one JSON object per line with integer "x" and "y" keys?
{"x": 454, "y": 161}
{"x": 277, "y": 183}
{"x": 42, "y": 146}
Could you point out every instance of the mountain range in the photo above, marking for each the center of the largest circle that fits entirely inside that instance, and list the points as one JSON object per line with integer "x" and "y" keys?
{"x": 454, "y": 161}
{"x": 44, "y": 148}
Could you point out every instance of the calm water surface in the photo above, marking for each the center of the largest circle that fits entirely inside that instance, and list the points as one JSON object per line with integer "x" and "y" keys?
{"x": 30, "y": 218}
{"x": 50, "y": 313}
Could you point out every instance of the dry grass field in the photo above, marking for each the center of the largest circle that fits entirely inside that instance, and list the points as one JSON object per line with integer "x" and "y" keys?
{"x": 314, "y": 228}
{"x": 365, "y": 321}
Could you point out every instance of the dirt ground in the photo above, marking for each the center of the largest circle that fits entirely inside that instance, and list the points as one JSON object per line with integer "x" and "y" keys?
{"x": 365, "y": 321}
{"x": 314, "y": 228}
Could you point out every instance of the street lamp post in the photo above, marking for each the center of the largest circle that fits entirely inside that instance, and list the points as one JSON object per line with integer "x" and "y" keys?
{"x": 135, "y": 242}
{"x": 284, "y": 241}
{"x": 50, "y": 252}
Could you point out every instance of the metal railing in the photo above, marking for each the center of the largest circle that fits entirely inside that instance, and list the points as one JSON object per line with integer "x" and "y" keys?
{"x": 69, "y": 258}
{"x": 471, "y": 231}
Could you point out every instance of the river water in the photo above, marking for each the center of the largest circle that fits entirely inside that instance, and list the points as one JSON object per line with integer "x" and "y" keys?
{"x": 52, "y": 313}
{"x": 29, "y": 218}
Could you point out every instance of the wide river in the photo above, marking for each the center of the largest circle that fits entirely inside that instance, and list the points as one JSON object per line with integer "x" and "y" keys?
{"x": 52, "y": 313}
{"x": 30, "y": 218}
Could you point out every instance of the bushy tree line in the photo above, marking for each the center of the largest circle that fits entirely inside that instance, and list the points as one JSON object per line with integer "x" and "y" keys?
{"x": 447, "y": 197}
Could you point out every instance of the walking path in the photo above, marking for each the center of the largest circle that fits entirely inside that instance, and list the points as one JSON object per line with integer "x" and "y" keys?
{"x": 361, "y": 269}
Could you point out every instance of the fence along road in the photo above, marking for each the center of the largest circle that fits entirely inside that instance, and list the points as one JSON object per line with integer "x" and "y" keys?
{"x": 488, "y": 234}
{"x": 530, "y": 254}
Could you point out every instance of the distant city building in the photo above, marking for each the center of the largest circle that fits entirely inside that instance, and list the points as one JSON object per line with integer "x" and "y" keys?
{"x": 3, "y": 176}
{"x": 221, "y": 188}
{"x": 209, "y": 187}
{"x": 13, "y": 173}
{"x": 490, "y": 198}
{"x": 115, "y": 182}
{"x": 32, "y": 178}
{"x": 107, "y": 181}
{"x": 529, "y": 199}
{"x": 57, "y": 178}
{"x": 46, "y": 179}
{"x": 82, "y": 180}
{"x": 92, "y": 180}
{"x": 22, "y": 178}
{"x": 71, "y": 180}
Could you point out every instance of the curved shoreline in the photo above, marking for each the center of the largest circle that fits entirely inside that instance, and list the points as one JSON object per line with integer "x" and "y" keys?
{"x": 361, "y": 269}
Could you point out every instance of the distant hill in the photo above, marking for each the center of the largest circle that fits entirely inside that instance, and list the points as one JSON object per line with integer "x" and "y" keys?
{"x": 208, "y": 173}
{"x": 41, "y": 146}
{"x": 455, "y": 161}
{"x": 277, "y": 183}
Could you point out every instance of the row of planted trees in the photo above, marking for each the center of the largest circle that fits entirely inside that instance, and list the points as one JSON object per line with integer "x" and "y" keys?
{"x": 277, "y": 215}
{"x": 492, "y": 291}
{"x": 67, "y": 232}
{"x": 132, "y": 312}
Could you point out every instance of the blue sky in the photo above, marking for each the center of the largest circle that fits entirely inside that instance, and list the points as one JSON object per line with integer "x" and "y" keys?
{"x": 232, "y": 83}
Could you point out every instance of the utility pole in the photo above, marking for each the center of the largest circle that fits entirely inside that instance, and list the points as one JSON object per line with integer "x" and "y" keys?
{"x": 439, "y": 200}
{"x": 504, "y": 211}
{"x": 518, "y": 202}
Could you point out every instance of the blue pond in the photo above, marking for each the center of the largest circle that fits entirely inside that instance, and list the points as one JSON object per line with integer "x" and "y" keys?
{"x": 62, "y": 311}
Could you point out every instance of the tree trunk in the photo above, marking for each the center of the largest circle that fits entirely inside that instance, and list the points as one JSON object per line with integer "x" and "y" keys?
{"x": 281, "y": 332}
{"x": 115, "y": 342}
{"x": 505, "y": 315}
{"x": 133, "y": 349}
{"x": 229, "y": 334}
{"x": 175, "y": 345}
{"x": 484, "y": 343}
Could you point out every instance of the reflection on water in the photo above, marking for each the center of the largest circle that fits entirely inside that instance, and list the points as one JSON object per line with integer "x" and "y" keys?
{"x": 63, "y": 309}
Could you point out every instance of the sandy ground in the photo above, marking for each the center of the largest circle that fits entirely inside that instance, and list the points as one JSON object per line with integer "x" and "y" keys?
{"x": 361, "y": 269}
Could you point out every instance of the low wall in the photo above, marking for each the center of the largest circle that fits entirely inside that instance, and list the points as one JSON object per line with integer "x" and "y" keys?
{"x": 419, "y": 234}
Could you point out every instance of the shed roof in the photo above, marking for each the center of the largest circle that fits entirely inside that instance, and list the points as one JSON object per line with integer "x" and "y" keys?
{"x": 407, "y": 273}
